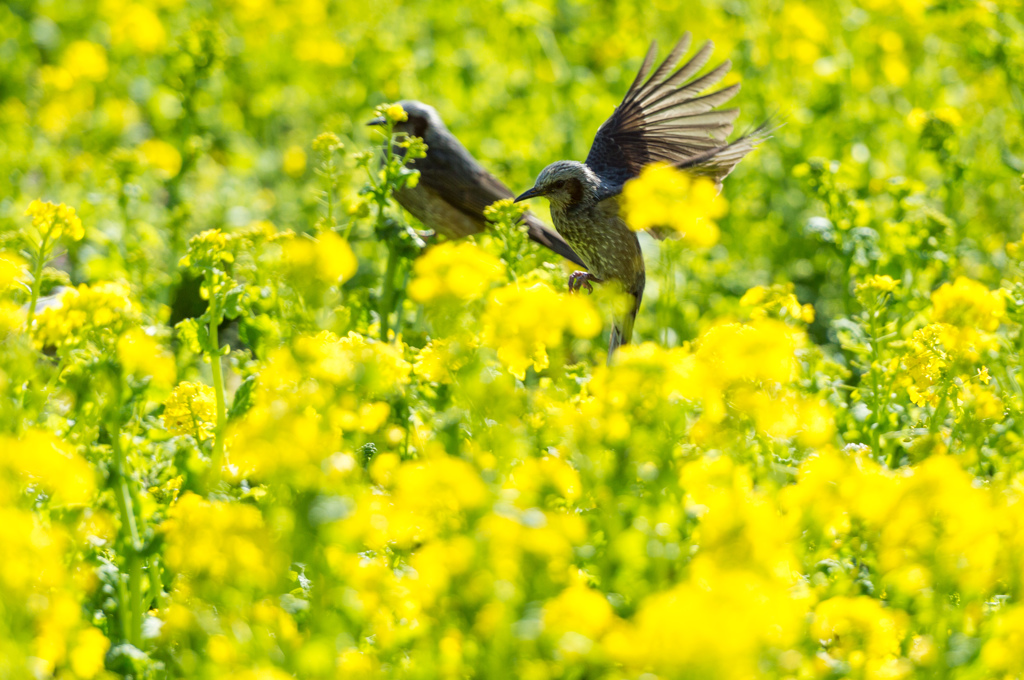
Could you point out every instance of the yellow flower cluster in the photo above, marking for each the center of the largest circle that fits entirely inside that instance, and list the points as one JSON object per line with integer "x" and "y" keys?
{"x": 524, "y": 322}
{"x": 441, "y": 358}
{"x": 327, "y": 142}
{"x": 39, "y": 458}
{"x": 778, "y": 299}
{"x": 43, "y": 582}
{"x": 13, "y": 269}
{"x": 143, "y": 356}
{"x": 162, "y": 157}
{"x": 209, "y": 248}
{"x": 454, "y": 270}
{"x": 191, "y": 410}
{"x": 308, "y": 396}
{"x": 968, "y": 304}
{"x": 665, "y": 197}
{"x": 878, "y": 283}
{"x": 55, "y": 220}
{"x": 328, "y": 258}
{"x": 392, "y": 112}
{"x": 85, "y": 313}
{"x": 220, "y": 546}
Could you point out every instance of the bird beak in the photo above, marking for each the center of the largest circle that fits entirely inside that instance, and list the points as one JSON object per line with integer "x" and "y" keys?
{"x": 379, "y": 120}
{"x": 529, "y": 193}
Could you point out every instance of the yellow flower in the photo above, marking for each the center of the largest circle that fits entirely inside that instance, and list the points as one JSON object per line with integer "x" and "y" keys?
{"x": 455, "y": 269}
{"x": 880, "y": 283}
{"x": 12, "y": 269}
{"x": 208, "y": 248}
{"x": 968, "y": 304}
{"x": 191, "y": 410}
{"x": 663, "y": 196}
{"x": 40, "y": 458}
{"x": 87, "y": 657}
{"x": 327, "y": 142}
{"x": 441, "y": 358}
{"x": 53, "y": 220}
{"x": 522, "y": 323}
{"x": 578, "y": 609}
{"x": 161, "y": 156}
{"x": 763, "y": 350}
{"x": 757, "y": 613}
{"x": 393, "y": 112}
{"x": 1001, "y": 653}
{"x": 294, "y": 161}
{"x": 225, "y": 545}
{"x": 141, "y": 355}
{"x": 86, "y": 313}
{"x": 138, "y": 26}
{"x": 329, "y": 257}
{"x": 859, "y": 626}
{"x": 84, "y": 59}
{"x": 778, "y": 299}
{"x": 326, "y": 51}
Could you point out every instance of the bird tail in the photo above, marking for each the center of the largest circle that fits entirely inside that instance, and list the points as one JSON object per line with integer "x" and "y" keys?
{"x": 545, "y": 236}
{"x": 622, "y": 327}
{"x": 718, "y": 163}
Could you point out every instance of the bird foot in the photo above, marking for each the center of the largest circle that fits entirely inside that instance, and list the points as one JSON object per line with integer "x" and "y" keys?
{"x": 580, "y": 279}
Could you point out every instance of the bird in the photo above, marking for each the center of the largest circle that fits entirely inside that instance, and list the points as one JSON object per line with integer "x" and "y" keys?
{"x": 454, "y": 188}
{"x": 662, "y": 118}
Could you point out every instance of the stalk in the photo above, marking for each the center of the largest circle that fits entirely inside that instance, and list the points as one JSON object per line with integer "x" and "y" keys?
{"x": 218, "y": 388}
{"x": 37, "y": 281}
{"x": 132, "y": 619}
{"x": 388, "y": 294}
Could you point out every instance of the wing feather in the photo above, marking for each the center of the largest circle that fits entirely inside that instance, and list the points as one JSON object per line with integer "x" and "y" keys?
{"x": 667, "y": 117}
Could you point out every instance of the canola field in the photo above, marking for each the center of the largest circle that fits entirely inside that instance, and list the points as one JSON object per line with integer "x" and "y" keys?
{"x": 252, "y": 429}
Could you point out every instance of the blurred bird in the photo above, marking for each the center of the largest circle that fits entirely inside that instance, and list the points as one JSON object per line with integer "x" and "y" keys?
{"x": 663, "y": 118}
{"x": 454, "y": 188}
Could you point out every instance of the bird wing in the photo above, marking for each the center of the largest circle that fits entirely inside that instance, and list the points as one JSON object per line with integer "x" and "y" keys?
{"x": 665, "y": 118}
{"x": 468, "y": 189}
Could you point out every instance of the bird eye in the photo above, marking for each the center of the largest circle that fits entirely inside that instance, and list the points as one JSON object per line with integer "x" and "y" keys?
{"x": 559, "y": 184}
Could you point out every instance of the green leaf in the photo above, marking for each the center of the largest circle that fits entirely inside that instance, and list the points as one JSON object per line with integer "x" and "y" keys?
{"x": 244, "y": 398}
{"x": 195, "y": 336}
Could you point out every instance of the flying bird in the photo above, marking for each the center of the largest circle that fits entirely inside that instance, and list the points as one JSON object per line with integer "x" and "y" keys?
{"x": 454, "y": 188}
{"x": 663, "y": 118}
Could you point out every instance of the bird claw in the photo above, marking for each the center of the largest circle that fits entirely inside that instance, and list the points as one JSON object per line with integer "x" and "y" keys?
{"x": 578, "y": 280}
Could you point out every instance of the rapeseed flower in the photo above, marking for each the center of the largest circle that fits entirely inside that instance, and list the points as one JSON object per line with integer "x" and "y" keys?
{"x": 457, "y": 270}
{"x": 86, "y": 313}
{"x": 162, "y": 157}
{"x": 524, "y": 322}
{"x": 13, "y": 269}
{"x": 968, "y": 304}
{"x": 664, "y": 197}
{"x": 55, "y": 220}
{"x": 328, "y": 257}
{"x": 191, "y": 410}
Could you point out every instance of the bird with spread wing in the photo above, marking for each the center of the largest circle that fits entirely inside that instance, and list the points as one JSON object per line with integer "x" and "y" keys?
{"x": 663, "y": 118}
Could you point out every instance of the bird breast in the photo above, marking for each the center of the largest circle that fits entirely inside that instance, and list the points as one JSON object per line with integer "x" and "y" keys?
{"x": 603, "y": 241}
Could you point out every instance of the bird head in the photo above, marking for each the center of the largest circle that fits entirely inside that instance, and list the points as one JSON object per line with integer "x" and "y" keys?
{"x": 565, "y": 183}
{"x": 422, "y": 121}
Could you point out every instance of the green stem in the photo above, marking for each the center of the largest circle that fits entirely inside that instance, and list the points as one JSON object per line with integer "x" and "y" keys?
{"x": 156, "y": 585}
{"x": 37, "y": 280}
{"x": 330, "y": 190}
{"x": 218, "y": 388}
{"x": 875, "y": 359}
{"x": 132, "y": 614}
{"x": 388, "y": 294}
{"x": 939, "y": 415}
